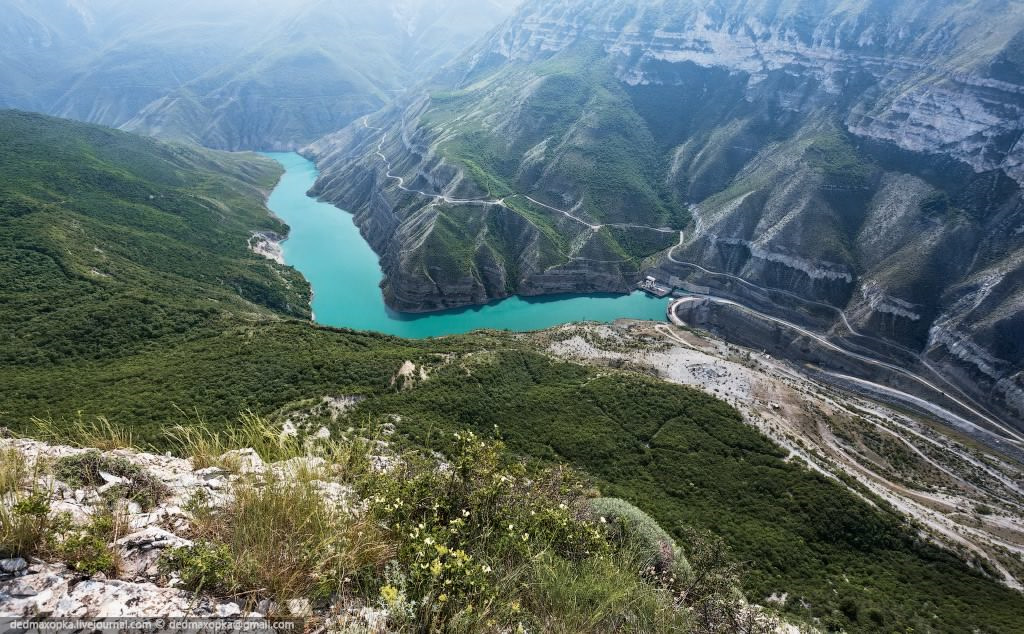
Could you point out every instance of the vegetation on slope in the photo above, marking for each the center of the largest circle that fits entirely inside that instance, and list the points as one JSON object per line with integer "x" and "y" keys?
{"x": 474, "y": 543}
{"x": 683, "y": 457}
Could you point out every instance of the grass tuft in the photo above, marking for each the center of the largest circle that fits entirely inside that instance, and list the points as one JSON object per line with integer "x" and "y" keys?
{"x": 13, "y": 470}
{"x": 279, "y": 538}
{"x": 95, "y": 433}
{"x": 206, "y": 447}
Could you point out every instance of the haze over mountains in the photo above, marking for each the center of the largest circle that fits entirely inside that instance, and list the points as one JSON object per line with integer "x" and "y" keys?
{"x": 232, "y": 74}
{"x": 867, "y": 155}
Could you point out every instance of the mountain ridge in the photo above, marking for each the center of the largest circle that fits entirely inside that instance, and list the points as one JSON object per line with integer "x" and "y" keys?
{"x": 808, "y": 147}
{"x": 233, "y": 75}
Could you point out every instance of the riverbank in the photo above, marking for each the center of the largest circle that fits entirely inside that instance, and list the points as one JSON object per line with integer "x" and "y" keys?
{"x": 345, "y": 274}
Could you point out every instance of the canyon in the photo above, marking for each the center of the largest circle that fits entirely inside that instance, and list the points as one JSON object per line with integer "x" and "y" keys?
{"x": 867, "y": 157}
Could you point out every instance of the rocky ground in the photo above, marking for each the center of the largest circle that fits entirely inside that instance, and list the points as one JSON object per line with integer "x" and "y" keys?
{"x": 960, "y": 494}
{"x": 37, "y": 588}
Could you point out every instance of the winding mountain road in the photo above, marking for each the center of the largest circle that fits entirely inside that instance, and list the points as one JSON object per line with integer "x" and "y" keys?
{"x": 835, "y": 309}
{"x": 493, "y": 201}
{"x": 974, "y": 407}
{"x": 1008, "y": 434}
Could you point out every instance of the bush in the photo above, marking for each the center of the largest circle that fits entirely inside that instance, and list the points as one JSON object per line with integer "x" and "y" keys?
{"x": 85, "y": 469}
{"x": 632, "y": 526}
{"x": 201, "y": 566}
{"x": 86, "y": 549}
{"x": 485, "y": 544}
{"x": 600, "y": 594}
{"x": 97, "y": 433}
{"x": 13, "y": 470}
{"x": 24, "y": 525}
{"x": 206, "y": 447}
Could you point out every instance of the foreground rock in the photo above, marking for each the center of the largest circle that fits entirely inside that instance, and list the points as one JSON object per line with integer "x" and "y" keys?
{"x": 35, "y": 588}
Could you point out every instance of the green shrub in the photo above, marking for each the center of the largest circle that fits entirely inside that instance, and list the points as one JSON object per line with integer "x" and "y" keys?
{"x": 469, "y": 534}
{"x": 85, "y": 469}
{"x": 24, "y": 525}
{"x": 201, "y": 566}
{"x": 638, "y": 529}
{"x": 97, "y": 433}
{"x": 88, "y": 554}
{"x": 600, "y": 594}
{"x": 87, "y": 549}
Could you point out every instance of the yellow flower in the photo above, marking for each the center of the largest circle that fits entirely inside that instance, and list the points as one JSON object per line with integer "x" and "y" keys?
{"x": 389, "y": 594}
{"x": 442, "y": 598}
{"x": 435, "y": 568}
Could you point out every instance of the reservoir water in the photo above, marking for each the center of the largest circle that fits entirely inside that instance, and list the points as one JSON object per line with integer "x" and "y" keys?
{"x": 326, "y": 247}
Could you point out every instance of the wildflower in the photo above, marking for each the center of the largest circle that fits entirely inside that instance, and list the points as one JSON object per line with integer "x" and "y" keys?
{"x": 389, "y": 594}
{"x": 465, "y": 512}
{"x": 442, "y": 598}
{"x": 485, "y": 568}
{"x": 436, "y": 568}
{"x": 526, "y": 537}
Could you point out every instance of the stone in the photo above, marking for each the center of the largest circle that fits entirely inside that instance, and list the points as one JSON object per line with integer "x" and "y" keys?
{"x": 247, "y": 461}
{"x": 209, "y": 473}
{"x": 11, "y": 566}
{"x": 33, "y": 595}
{"x": 227, "y": 610}
{"x": 299, "y": 608}
{"x": 140, "y": 551}
{"x": 111, "y": 598}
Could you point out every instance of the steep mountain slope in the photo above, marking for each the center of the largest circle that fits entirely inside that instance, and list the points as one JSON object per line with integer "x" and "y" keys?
{"x": 129, "y": 292}
{"x": 233, "y": 75}
{"x": 864, "y": 154}
{"x": 113, "y": 242}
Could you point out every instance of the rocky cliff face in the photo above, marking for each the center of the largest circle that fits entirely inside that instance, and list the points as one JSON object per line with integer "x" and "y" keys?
{"x": 867, "y": 155}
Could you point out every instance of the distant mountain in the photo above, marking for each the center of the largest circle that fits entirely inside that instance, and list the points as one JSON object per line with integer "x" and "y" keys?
{"x": 868, "y": 155}
{"x": 232, "y": 74}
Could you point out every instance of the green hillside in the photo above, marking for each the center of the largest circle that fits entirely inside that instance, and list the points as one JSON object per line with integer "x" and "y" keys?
{"x": 129, "y": 292}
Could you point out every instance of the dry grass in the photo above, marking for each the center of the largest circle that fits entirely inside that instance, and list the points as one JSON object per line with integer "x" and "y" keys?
{"x": 206, "y": 447}
{"x": 281, "y": 538}
{"x": 13, "y": 470}
{"x": 95, "y": 433}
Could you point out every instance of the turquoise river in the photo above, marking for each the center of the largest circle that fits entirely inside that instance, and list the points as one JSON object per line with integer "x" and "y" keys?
{"x": 326, "y": 247}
